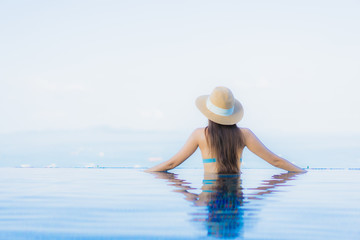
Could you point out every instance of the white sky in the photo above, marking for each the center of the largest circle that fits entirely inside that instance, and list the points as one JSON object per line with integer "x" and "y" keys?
{"x": 140, "y": 64}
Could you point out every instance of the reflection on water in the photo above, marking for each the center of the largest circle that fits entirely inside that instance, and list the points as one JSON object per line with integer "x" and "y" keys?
{"x": 222, "y": 206}
{"x": 223, "y": 198}
{"x": 78, "y": 203}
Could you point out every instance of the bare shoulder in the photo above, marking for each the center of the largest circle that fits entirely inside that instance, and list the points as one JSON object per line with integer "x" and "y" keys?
{"x": 247, "y": 134}
{"x": 246, "y": 131}
{"x": 198, "y": 132}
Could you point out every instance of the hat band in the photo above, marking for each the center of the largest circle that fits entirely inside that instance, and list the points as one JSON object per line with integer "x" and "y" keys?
{"x": 218, "y": 111}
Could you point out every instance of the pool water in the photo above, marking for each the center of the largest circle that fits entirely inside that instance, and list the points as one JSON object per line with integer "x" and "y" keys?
{"x": 127, "y": 203}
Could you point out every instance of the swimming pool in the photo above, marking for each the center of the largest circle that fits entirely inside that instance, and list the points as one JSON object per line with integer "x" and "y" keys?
{"x": 111, "y": 203}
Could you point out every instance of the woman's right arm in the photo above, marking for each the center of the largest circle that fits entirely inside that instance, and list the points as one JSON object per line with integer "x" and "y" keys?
{"x": 257, "y": 147}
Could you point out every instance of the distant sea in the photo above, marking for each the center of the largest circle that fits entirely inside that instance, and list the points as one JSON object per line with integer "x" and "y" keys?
{"x": 107, "y": 147}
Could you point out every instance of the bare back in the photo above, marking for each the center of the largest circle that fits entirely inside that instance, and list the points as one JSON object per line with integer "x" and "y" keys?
{"x": 210, "y": 167}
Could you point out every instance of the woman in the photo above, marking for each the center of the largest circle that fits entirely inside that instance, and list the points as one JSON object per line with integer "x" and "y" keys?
{"x": 222, "y": 142}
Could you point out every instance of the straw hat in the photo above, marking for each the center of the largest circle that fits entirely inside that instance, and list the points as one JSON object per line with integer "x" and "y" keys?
{"x": 221, "y": 106}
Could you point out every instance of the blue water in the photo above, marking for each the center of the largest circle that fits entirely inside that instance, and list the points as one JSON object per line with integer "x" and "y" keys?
{"x": 118, "y": 203}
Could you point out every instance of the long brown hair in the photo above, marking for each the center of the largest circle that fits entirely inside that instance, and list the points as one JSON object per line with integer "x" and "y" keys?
{"x": 225, "y": 142}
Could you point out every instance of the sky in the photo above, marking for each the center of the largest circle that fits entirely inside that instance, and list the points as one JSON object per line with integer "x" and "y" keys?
{"x": 294, "y": 65}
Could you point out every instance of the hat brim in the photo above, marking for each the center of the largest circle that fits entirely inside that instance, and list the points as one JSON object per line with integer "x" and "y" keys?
{"x": 234, "y": 118}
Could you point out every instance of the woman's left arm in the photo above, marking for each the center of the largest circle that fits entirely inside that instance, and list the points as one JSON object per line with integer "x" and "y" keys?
{"x": 185, "y": 152}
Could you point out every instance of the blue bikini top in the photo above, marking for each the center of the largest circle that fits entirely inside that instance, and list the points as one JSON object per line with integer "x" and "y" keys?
{"x": 210, "y": 160}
